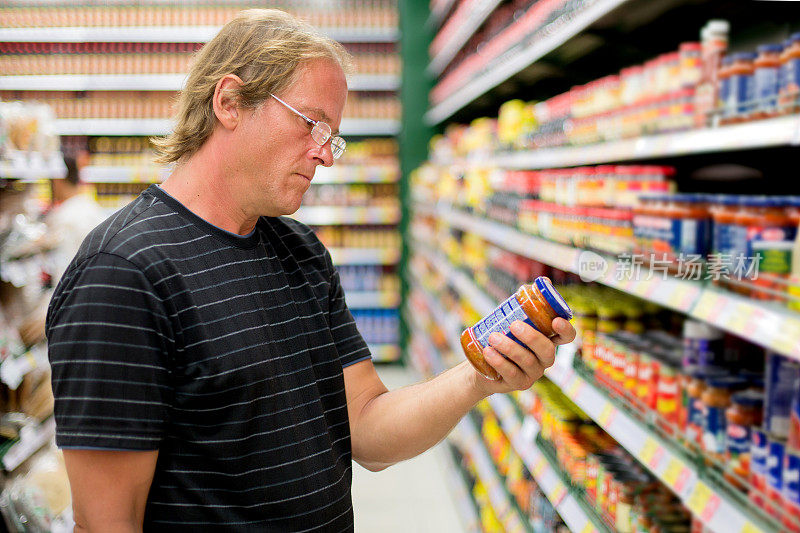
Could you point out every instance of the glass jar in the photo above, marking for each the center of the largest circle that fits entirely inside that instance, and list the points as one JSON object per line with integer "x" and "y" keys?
{"x": 746, "y": 411}
{"x": 766, "y": 82}
{"x": 537, "y": 304}
{"x": 716, "y": 399}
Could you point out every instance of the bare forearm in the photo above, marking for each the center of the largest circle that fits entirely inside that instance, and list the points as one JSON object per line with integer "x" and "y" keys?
{"x": 403, "y": 423}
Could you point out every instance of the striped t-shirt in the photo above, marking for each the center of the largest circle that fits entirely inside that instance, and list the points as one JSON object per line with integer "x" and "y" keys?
{"x": 223, "y": 352}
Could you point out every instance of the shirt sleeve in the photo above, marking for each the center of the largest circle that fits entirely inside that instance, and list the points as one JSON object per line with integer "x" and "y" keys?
{"x": 109, "y": 342}
{"x": 350, "y": 344}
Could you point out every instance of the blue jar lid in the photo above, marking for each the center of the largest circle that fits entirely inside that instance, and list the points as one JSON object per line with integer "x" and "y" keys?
{"x": 794, "y": 37}
{"x": 743, "y": 56}
{"x": 731, "y": 199}
{"x": 553, "y": 298}
{"x": 748, "y": 398}
{"x": 767, "y": 48}
{"x": 726, "y": 382}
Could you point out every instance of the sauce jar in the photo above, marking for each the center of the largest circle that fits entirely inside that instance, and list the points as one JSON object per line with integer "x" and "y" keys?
{"x": 745, "y": 413}
{"x": 766, "y": 84}
{"x": 716, "y": 399}
{"x": 536, "y": 304}
{"x": 695, "y": 385}
{"x": 667, "y": 390}
{"x": 738, "y": 106}
{"x": 790, "y": 77}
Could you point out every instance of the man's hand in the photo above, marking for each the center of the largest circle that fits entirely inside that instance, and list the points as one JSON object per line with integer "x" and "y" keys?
{"x": 518, "y": 367}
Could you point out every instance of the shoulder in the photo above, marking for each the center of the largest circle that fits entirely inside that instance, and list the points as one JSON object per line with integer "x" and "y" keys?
{"x": 300, "y": 240}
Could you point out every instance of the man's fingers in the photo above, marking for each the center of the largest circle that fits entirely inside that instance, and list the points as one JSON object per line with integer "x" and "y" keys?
{"x": 565, "y": 332}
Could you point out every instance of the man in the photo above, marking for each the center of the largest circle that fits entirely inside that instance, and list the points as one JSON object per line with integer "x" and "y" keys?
{"x": 207, "y": 372}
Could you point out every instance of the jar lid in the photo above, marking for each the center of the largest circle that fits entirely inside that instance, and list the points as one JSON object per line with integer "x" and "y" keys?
{"x": 748, "y": 398}
{"x": 552, "y": 297}
{"x": 770, "y": 48}
{"x": 705, "y": 372}
{"x": 743, "y": 56}
{"x": 726, "y": 382}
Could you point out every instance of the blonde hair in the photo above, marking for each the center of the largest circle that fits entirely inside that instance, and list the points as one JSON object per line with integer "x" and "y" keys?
{"x": 263, "y": 47}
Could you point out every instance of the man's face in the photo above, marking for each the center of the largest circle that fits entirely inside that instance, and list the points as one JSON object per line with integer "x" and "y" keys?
{"x": 276, "y": 156}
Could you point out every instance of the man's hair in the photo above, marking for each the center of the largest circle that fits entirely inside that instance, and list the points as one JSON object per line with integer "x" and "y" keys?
{"x": 263, "y": 47}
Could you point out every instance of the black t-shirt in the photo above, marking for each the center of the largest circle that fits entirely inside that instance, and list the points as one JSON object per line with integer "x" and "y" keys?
{"x": 223, "y": 352}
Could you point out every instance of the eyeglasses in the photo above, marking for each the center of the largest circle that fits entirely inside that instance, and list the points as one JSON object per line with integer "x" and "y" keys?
{"x": 320, "y": 131}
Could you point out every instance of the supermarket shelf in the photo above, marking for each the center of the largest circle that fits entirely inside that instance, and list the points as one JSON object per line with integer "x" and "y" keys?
{"x": 31, "y": 166}
{"x": 761, "y": 323}
{"x": 464, "y": 502}
{"x": 522, "y": 434}
{"x": 30, "y": 440}
{"x": 320, "y": 215}
{"x": 520, "y": 60}
{"x": 152, "y": 82}
{"x": 502, "y": 503}
{"x": 717, "y": 511}
{"x": 339, "y": 174}
{"x": 346, "y": 172}
{"x": 372, "y": 299}
{"x": 170, "y": 34}
{"x": 124, "y": 174}
{"x": 365, "y": 256}
{"x": 161, "y": 126}
{"x": 384, "y": 353}
{"x": 758, "y": 134}
{"x": 460, "y": 37}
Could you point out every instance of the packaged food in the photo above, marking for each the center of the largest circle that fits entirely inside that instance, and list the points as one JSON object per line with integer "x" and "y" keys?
{"x": 775, "y": 457}
{"x": 692, "y": 393}
{"x": 716, "y": 399}
{"x": 745, "y": 413}
{"x": 702, "y": 344}
{"x": 536, "y": 304}
{"x": 759, "y": 450}
{"x": 791, "y": 488}
{"x": 767, "y": 85}
{"x": 790, "y": 76}
{"x": 781, "y": 379}
{"x": 739, "y": 105}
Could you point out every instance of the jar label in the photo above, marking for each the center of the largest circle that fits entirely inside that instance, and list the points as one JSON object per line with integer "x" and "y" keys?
{"x": 791, "y": 477}
{"x": 500, "y": 321}
{"x": 758, "y": 452}
{"x": 773, "y": 246}
{"x": 740, "y": 95}
{"x": 775, "y": 464}
{"x": 766, "y": 88}
{"x": 714, "y": 429}
{"x": 738, "y": 440}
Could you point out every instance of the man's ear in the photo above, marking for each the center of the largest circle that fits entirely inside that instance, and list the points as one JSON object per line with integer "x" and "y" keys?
{"x": 226, "y": 105}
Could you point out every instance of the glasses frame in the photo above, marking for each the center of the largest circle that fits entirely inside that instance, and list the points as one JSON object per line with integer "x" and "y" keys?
{"x": 338, "y": 145}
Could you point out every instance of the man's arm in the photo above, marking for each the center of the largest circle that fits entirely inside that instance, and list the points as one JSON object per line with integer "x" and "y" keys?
{"x": 109, "y": 488}
{"x": 388, "y": 427}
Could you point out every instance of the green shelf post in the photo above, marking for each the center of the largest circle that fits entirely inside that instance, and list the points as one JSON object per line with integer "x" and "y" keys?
{"x": 415, "y": 37}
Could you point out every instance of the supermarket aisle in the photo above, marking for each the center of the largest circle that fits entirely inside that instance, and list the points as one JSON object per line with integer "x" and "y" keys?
{"x": 412, "y": 496}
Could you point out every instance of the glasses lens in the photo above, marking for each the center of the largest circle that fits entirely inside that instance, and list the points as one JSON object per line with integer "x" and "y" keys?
{"x": 321, "y": 132}
{"x": 338, "y": 146}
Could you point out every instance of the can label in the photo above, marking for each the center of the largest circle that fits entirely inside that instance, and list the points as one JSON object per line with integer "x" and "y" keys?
{"x": 694, "y": 418}
{"x": 775, "y": 454}
{"x": 738, "y": 440}
{"x": 500, "y": 320}
{"x": 714, "y": 430}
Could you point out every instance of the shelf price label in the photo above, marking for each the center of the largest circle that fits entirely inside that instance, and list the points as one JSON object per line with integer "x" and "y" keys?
{"x": 588, "y": 528}
{"x": 539, "y": 467}
{"x": 703, "y": 502}
{"x": 748, "y": 527}
{"x": 575, "y": 388}
{"x": 607, "y": 415}
{"x": 556, "y": 494}
{"x": 651, "y": 453}
{"x": 676, "y": 475}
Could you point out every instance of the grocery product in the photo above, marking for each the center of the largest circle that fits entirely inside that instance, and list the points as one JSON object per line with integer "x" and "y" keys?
{"x": 537, "y": 304}
{"x": 790, "y": 76}
{"x": 781, "y": 381}
{"x": 745, "y": 413}
{"x": 767, "y": 81}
